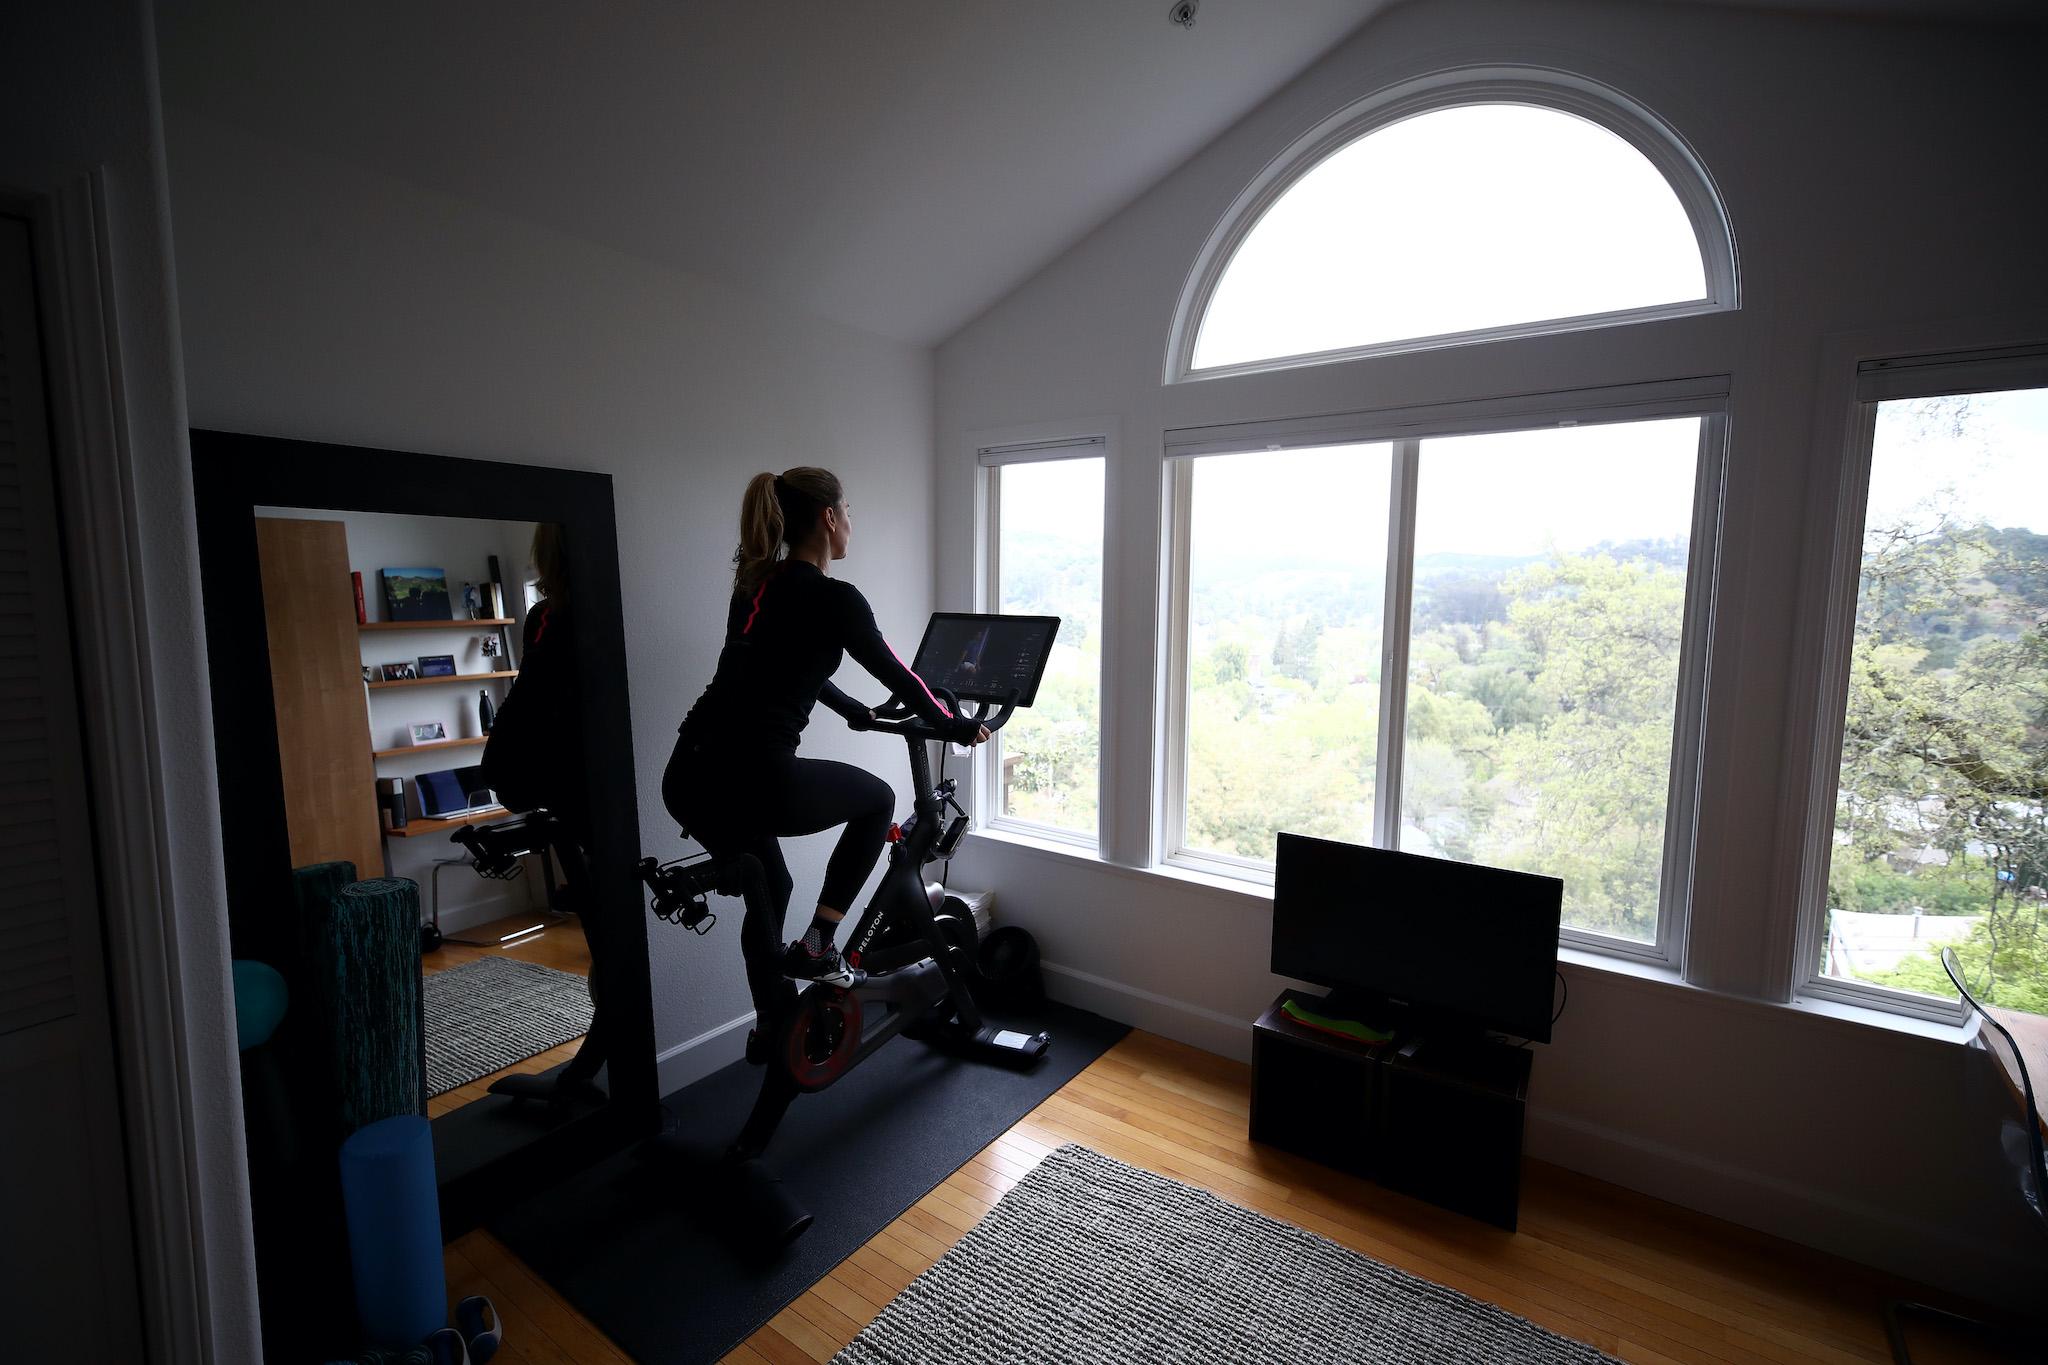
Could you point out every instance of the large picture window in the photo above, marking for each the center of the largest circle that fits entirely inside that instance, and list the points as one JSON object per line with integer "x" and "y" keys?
{"x": 1940, "y": 816}
{"x": 1285, "y": 599}
{"x": 1543, "y": 658}
{"x": 1478, "y": 646}
{"x": 1045, "y": 517}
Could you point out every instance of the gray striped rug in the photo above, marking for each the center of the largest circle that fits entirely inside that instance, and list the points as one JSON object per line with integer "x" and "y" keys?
{"x": 487, "y": 1014}
{"x": 1089, "y": 1260}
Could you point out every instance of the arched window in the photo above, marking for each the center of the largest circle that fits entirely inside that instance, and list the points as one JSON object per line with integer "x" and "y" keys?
{"x": 1463, "y": 207}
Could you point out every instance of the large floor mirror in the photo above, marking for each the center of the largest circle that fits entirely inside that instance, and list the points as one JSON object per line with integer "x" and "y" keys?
{"x": 372, "y": 617}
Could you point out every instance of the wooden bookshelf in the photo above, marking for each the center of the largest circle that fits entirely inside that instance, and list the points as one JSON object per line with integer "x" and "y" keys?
{"x": 404, "y": 749}
{"x": 442, "y": 682}
{"x": 432, "y": 625}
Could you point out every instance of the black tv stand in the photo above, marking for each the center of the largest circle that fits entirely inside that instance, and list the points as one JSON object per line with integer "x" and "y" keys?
{"x": 1439, "y": 1118}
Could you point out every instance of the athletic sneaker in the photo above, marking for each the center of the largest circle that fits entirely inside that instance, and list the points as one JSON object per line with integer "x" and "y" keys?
{"x": 799, "y": 963}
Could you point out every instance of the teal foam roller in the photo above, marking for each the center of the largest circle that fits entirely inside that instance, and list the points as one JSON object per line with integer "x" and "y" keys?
{"x": 368, "y": 963}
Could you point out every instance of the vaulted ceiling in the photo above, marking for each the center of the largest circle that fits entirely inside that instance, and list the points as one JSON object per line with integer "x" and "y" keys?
{"x": 897, "y": 165}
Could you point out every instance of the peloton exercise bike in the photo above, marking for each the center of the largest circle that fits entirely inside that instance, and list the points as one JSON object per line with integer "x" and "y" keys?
{"x": 909, "y": 962}
{"x": 495, "y": 850}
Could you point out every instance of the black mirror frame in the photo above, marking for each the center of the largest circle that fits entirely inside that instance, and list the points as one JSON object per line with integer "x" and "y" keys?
{"x": 233, "y": 474}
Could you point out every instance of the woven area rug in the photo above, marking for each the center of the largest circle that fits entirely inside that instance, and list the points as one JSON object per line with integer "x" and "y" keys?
{"x": 487, "y": 1014}
{"x": 1089, "y": 1260}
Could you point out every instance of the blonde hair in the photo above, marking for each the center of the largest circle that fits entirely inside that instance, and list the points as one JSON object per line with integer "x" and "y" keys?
{"x": 548, "y": 564}
{"x": 778, "y": 510}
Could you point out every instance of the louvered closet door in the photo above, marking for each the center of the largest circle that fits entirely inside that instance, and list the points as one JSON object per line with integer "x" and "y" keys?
{"x": 67, "y": 1282}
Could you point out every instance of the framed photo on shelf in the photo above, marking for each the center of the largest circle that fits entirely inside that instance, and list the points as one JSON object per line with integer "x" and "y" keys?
{"x": 400, "y": 672}
{"x": 428, "y": 732}
{"x": 437, "y": 665}
{"x": 416, "y": 595}
{"x": 369, "y": 673}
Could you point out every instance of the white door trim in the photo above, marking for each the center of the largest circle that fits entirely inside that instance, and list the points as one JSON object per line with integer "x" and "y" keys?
{"x": 95, "y": 480}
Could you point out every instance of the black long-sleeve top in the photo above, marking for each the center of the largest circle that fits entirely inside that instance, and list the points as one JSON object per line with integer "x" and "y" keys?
{"x": 783, "y": 643}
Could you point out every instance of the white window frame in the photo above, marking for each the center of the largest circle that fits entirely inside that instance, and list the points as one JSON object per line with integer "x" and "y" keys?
{"x": 1659, "y": 143}
{"x": 991, "y": 460}
{"x": 1876, "y": 381}
{"x": 1406, "y": 429}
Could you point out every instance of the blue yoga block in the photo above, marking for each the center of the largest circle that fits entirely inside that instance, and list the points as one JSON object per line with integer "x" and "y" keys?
{"x": 394, "y": 1231}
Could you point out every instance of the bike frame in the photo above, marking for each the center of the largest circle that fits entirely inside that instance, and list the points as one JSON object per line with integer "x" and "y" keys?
{"x": 815, "y": 1037}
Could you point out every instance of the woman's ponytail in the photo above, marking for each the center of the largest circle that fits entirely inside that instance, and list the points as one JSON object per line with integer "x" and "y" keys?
{"x": 760, "y": 533}
{"x": 778, "y": 510}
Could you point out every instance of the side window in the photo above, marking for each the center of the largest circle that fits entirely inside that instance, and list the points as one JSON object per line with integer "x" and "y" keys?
{"x": 1044, "y": 557}
{"x": 1939, "y": 835}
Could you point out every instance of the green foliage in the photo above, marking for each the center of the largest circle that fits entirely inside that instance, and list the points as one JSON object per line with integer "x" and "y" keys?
{"x": 1872, "y": 885}
{"x": 1538, "y": 731}
{"x": 2011, "y": 973}
{"x": 1540, "y": 708}
{"x": 1943, "y": 799}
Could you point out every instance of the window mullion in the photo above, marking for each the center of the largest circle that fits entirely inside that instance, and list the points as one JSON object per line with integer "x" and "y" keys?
{"x": 1172, "y": 827}
{"x": 1394, "y": 624}
{"x": 991, "y": 600}
{"x": 1681, "y": 806}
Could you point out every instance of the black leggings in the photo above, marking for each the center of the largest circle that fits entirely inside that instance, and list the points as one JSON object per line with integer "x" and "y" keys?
{"x": 734, "y": 803}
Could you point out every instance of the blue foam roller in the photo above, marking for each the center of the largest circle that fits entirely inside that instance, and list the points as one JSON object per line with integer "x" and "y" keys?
{"x": 394, "y": 1231}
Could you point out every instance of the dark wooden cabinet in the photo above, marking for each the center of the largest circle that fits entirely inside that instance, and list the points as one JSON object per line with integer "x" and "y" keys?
{"x": 1438, "y": 1120}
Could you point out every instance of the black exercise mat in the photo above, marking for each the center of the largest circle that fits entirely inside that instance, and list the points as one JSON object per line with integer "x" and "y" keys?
{"x": 620, "y": 1241}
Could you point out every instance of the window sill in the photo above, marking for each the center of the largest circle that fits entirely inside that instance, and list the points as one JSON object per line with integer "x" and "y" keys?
{"x": 1657, "y": 978}
{"x": 1251, "y": 895}
{"x": 1870, "y": 1024}
{"x": 1049, "y": 838}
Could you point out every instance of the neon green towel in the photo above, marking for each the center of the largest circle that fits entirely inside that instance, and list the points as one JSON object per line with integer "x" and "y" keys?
{"x": 1343, "y": 1028}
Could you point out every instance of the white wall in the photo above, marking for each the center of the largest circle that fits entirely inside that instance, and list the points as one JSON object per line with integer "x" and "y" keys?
{"x": 329, "y": 303}
{"x": 1877, "y": 176}
{"x": 462, "y": 547}
{"x": 77, "y": 97}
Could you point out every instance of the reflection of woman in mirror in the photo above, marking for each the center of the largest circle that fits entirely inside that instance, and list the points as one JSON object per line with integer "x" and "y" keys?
{"x": 968, "y": 670}
{"x": 734, "y": 781}
{"x": 534, "y": 759}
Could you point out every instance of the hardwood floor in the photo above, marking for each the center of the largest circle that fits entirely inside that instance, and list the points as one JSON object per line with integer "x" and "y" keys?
{"x": 1640, "y": 1279}
{"x": 561, "y": 946}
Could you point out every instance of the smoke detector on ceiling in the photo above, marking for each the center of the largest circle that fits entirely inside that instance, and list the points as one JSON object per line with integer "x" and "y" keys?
{"x": 1182, "y": 12}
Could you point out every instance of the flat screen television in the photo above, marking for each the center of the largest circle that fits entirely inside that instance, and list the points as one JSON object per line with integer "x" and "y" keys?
{"x": 1424, "y": 943}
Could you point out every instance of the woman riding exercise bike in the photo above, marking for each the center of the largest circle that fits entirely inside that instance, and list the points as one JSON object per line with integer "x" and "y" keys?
{"x": 734, "y": 781}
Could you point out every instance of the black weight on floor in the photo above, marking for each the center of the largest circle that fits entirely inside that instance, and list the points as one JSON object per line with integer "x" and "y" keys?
{"x": 630, "y": 1243}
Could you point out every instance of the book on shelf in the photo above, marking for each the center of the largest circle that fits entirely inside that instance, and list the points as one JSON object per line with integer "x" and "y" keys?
{"x": 362, "y": 611}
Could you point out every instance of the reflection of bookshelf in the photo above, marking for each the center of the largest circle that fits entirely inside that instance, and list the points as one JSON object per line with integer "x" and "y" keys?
{"x": 432, "y": 625}
{"x": 451, "y": 678}
{"x": 421, "y": 825}
{"x": 495, "y": 625}
{"x": 402, "y": 750}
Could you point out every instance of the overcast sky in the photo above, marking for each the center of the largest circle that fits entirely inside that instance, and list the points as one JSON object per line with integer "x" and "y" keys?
{"x": 1995, "y": 469}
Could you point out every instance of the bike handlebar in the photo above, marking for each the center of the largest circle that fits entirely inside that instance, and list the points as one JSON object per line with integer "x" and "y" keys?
{"x": 897, "y": 719}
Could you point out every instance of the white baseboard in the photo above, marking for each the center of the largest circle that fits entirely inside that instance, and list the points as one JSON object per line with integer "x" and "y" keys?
{"x": 1855, "y": 1230}
{"x": 459, "y": 913}
{"x": 695, "y": 1058}
{"x": 1852, "y": 1229}
{"x": 1197, "y": 1025}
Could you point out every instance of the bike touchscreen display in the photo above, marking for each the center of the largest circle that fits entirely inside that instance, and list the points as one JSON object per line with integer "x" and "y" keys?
{"x": 985, "y": 658}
